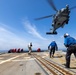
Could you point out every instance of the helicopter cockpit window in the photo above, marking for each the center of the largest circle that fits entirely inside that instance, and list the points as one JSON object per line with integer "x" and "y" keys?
{"x": 62, "y": 9}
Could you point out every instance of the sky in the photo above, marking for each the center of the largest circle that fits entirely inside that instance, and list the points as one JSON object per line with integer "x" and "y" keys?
{"x": 18, "y": 27}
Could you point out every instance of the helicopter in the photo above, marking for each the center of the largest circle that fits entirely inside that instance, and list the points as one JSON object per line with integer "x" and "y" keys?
{"x": 59, "y": 19}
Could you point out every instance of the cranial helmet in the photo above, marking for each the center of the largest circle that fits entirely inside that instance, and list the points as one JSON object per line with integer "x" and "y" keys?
{"x": 53, "y": 40}
{"x": 66, "y": 34}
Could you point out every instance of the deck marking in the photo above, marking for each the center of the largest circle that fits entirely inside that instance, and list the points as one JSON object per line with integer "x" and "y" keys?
{"x": 10, "y": 59}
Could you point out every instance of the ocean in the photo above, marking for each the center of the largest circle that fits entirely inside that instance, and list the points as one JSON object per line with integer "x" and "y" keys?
{"x": 6, "y": 51}
{"x": 3, "y": 51}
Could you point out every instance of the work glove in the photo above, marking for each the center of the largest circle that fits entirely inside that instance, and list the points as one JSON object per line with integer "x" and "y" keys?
{"x": 48, "y": 47}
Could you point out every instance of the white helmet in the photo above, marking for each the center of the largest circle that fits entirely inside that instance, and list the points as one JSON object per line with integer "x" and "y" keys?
{"x": 53, "y": 40}
{"x": 66, "y": 34}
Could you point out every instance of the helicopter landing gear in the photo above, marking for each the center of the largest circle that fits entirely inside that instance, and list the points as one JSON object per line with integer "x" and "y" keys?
{"x": 67, "y": 21}
{"x": 52, "y": 24}
{"x": 52, "y": 32}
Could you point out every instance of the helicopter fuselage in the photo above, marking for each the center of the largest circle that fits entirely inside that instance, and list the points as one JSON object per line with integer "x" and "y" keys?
{"x": 61, "y": 18}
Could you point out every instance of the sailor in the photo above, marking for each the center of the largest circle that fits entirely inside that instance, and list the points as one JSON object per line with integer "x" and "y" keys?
{"x": 70, "y": 44}
{"x": 30, "y": 48}
{"x": 52, "y": 47}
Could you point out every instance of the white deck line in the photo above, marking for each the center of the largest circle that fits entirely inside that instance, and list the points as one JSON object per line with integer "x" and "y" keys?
{"x": 10, "y": 59}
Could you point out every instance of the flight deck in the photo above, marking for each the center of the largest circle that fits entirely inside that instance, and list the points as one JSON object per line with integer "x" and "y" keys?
{"x": 38, "y": 63}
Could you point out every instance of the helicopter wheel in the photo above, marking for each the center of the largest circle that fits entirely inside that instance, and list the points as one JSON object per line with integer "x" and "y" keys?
{"x": 67, "y": 22}
{"x": 54, "y": 32}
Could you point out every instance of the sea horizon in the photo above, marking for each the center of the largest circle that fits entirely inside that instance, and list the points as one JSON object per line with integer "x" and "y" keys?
{"x": 6, "y": 51}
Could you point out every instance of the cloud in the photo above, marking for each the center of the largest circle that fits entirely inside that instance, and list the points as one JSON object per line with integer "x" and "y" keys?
{"x": 9, "y": 40}
{"x": 31, "y": 29}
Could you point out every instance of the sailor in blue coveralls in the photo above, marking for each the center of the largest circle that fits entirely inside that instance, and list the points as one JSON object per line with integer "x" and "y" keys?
{"x": 54, "y": 47}
{"x": 70, "y": 43}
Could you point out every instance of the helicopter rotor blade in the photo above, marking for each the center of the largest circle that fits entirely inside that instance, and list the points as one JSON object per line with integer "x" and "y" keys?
{"x": 72, "y": 7}
{"x": 52, "y": 4}
{"x": 43, "y": 17}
